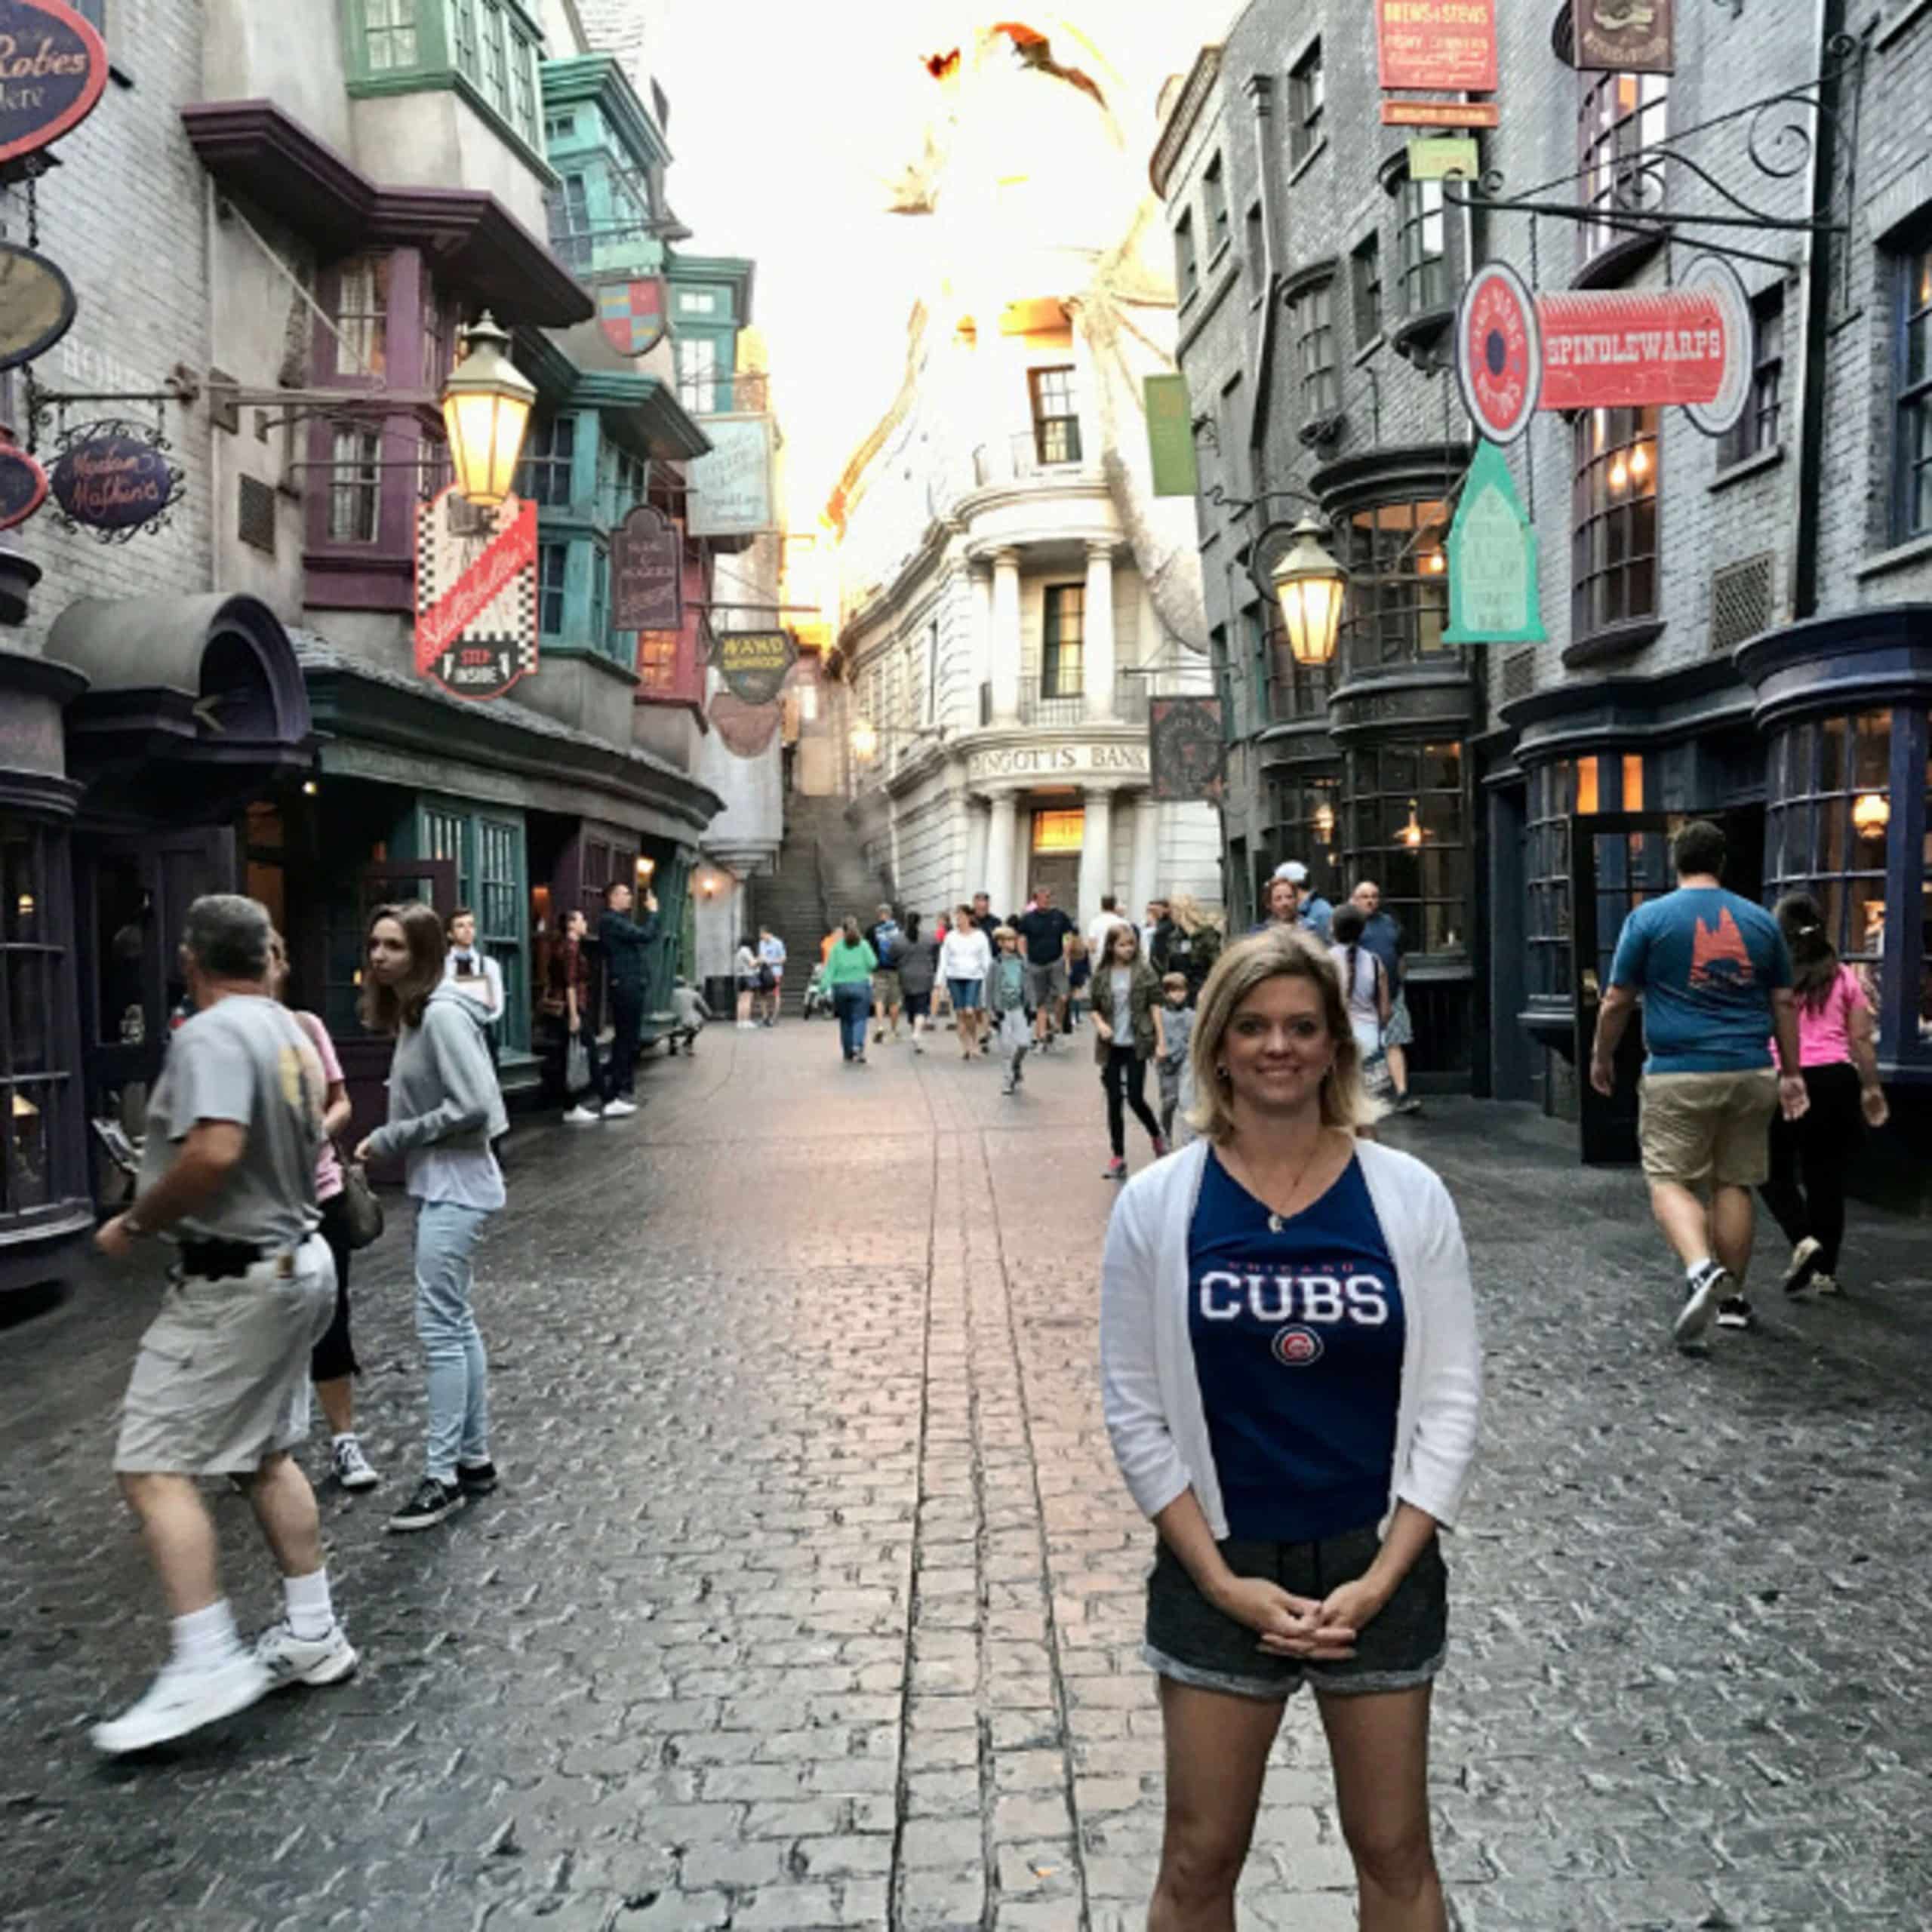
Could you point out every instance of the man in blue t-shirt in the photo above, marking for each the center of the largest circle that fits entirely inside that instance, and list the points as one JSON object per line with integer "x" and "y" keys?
{"x": 1715, "y": 977}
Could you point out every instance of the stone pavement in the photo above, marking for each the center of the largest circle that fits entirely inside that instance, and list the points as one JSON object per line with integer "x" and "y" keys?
{"x": 811, "y": 1598}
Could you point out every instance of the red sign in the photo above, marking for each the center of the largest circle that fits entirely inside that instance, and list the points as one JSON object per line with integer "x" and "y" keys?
{"x": 1689, "y": 345}
{"x": 475, "y": 594}
{"x": 53, "y": 67}
{"x": 1441, "y": 114}
{"x": 22, "y": 484}
{"x": 1437, "y": 46}
{"x": 1498, "y": 358}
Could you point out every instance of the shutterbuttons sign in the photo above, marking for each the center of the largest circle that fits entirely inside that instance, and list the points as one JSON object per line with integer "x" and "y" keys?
{"x": 1689, "y": 346}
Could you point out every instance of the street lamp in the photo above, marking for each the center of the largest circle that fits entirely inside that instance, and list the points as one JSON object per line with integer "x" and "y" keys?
{"x": 865, "y": 740}
{"x": 1308, "y": 584}
{"x": 486, "y": 409}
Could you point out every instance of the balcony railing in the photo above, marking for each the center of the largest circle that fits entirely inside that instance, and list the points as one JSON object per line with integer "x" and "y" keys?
{"x": 1053, "y": 451}
{"x": 1061, "y": 709}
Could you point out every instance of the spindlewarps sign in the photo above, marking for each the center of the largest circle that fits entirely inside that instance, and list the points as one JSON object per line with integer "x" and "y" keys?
{"x": 476, "y": 623}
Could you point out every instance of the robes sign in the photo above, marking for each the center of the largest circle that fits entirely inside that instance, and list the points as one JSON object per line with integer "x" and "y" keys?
{"x": 53, "y": 67}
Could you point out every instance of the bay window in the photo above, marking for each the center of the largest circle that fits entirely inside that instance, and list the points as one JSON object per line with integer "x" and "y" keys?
{"x": 1420, "y": 238}
{"x": 1912, "y": 434}
{"x": 1613, "y": 573}
{"x": 1621, "y": 121}
{"x": 1406, "y": 828}
{"x": 1398, "y": 604}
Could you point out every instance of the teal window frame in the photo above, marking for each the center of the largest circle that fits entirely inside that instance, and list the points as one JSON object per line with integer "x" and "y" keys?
{"x": 601, "y": 638}
{"x": 492, "y": 878}
{"x": 454, "y": 42}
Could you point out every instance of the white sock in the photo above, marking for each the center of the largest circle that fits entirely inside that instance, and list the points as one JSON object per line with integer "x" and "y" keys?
{"x": 206, "y": 1639}
{"x": 310, "y": 1615}
{"x": 346, "y": 1435}
{"x": 1697, "y": 1270}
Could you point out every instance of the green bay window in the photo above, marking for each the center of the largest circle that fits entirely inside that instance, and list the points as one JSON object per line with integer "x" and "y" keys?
{"x": 489, "y": 48}
{"x": 487, "y": 847}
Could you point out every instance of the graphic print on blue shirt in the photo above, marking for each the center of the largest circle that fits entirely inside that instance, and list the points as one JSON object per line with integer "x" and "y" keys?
{"x": 1297, "y": 1336}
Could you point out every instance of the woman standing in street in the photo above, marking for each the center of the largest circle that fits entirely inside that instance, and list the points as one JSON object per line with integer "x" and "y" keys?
{"x": 1291, "y": 1381}
{"x": 566, "y": 1013}
{"x": 444, "y": 1110}
{"x": 919, "y": 970}
{"x": 1365, "y": 990}
{"x": 850, "y": 963}
{"x": 964, "y": 960}
{"x": 750, "y": 980}
{"x": 332, "y": 1366}
{"x": 1810, "y": 1156}
{"x": 1128, "y": 1031}
{"x": 1192, "y": 944}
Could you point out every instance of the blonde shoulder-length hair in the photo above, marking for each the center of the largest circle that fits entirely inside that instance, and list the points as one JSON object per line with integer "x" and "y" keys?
{"x": 1280, "y": 953}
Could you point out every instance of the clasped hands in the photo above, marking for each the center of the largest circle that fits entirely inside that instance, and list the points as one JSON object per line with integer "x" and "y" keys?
{"x": 1315, "y": 1632}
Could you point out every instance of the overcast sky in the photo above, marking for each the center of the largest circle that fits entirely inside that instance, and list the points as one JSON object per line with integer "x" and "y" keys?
{"x": 787, "y": 120}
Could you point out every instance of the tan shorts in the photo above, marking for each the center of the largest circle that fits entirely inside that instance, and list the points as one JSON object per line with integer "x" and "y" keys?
{"x": 1697, "y": 1128}
{"x": 222, "y": 1380}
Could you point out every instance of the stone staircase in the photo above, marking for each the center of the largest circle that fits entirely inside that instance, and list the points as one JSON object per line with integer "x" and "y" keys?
{"x": 820, "y": 878}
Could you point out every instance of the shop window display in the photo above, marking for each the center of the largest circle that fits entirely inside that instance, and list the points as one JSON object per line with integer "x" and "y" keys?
{"x": 1405, "y": 827}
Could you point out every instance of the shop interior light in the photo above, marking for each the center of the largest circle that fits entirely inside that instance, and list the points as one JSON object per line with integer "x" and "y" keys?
{"x": 1871, "y": 812}
{"x": 487, "y": 402}
{"x": 645, "y": 866}
{"x": 1324, "y": 822}
{"x": 1413, "y": 834}
{"x": 1309, "y": 583}
{"x": 25, "y": 906}
{"x": 1620, "y": 475}
{"x": 865, "y": 740}
{"x": 310, "y": 789}
{"x": 1433, "y": 563}
{"x": 1640, "y": 462}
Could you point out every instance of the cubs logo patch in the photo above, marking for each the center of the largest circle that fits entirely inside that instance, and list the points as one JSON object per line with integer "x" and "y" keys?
{"x": 1295, "y": 1348}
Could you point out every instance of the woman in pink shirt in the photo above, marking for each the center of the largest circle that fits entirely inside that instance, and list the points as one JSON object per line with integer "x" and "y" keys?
{"x": 1809, "y": 1156}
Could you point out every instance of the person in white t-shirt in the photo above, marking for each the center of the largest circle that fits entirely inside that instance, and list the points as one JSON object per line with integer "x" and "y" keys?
{"x": 771, "y": 953}
{"x": 1102, "y": 922}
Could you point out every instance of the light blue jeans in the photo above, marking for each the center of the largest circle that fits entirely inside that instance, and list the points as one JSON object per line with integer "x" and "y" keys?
{"x": 446, "y": 1237}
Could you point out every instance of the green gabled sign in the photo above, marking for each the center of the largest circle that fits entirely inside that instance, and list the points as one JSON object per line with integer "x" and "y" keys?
{"x": 1492, "y": 552}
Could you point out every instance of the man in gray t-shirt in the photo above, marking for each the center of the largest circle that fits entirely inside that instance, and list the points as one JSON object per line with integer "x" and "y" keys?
{"x": 221, "y": 1385}
{"x": 244, "y": 1060}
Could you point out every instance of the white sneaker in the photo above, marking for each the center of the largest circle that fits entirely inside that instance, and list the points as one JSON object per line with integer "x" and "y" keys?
{"x": 746, "y": 1026}
{"x": 290, "y": 1659}
{"x": 1701, "y": 1298}
{"x": 351, "y": 1467}
{"x": 619, "y": 1109}
{"x": 180, "y": 1700}
{"x": 582, "y": 1116}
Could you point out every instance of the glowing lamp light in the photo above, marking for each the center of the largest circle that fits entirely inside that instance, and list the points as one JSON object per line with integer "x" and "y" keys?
{"x": 1412, "y": 835}
{"x": 865, "y": 740}
{"x": 1871, "y": 812}
{"x": 1309, "y": 584}
{"x": 1619, "y": 476}
{"x": 1434, "y": 563}
{"x": 310, "y": 789}
{"x": 486, "y": 409}
{"x": 25, "y": 906}
{"x": 1324, "y": 822}
{"x": 1640, "y": 462}
{"x": 645, "y": 866}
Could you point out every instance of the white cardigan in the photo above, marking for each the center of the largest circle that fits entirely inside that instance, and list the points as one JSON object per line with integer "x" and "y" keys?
{"x": 1152, "y": 1395}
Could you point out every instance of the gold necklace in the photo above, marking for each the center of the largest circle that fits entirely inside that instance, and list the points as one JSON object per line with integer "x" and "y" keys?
{"x": 1276, "y": 1221}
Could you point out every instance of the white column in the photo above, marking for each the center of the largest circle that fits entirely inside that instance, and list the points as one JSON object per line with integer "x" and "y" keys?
{"x": 983, "y": 639}
{"x": 1146, "y": 854}
{"x": 1096, "y": 854}
{"x": 1097, "y": 630}
{"x": 1001, "y": 834}
{"x": 976, "y": 852}
{"x": 1006, "y": 637}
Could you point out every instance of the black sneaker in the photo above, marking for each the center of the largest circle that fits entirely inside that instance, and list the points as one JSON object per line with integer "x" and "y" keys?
{"x": 1734, "y": 1312}
{"x": 1702, "y": 1293}
{"x": 431, "y": 1503}
{"x": 476, "y": 1478}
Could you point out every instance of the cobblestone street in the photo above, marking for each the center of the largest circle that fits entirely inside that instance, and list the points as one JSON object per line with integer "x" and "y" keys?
{"x": 811, "y": 1598}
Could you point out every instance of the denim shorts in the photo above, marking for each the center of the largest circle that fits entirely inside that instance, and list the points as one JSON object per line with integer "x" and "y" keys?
{"x": 965, "y": 995}
{"x": 1191, "y": 1641}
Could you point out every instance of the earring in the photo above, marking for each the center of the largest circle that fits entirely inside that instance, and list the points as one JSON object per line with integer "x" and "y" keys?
{"x": 1220, "y": 1073}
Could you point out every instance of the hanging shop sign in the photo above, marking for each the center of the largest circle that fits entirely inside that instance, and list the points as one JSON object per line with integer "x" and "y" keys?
{"x": 647, "y": 572}
{"x": 746, "y": 729}
{"x": 1441, "y": 114}
{"x": 1499, "y": 353}
{"x": 1186, "y": 752}
{"x": 114, "y": 479}
{"x": 1448, "y": 154}
{"x": 1437, "y": 46}
{"x": 37, "y": 306}
{"x": 22, "y": 484}
{"x": 632, "y": 315}
{"x": 1625, "y": 36}
{"x": 53, "y": 67}
{"x": 730, "y": 486}
{"x": 475, "y": 593}
{"x": 1688, "y": 346}
{"x": 1170, "y": 436}
{"x": 1492, "y": 557}
{"x": 753, "y": 664}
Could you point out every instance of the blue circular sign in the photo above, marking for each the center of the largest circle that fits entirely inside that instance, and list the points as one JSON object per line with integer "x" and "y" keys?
{"x": 113, "y": 480}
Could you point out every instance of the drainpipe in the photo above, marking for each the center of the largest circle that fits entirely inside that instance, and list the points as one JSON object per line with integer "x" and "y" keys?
{"x": 1260, "y": 89}
{"x": 1817, "y": 273}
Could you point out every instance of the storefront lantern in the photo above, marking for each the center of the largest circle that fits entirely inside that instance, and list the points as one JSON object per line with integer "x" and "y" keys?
{"x": 1871, "y": 814}
{"x": 865, "y": 740}
{"x": 486, "y": 403}
{"x": 1308, "y": 584}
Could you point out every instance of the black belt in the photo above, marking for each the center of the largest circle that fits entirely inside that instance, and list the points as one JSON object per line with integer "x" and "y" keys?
{"x": 214, "y": 1261}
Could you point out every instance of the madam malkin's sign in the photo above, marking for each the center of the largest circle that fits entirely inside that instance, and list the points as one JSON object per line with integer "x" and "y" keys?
{"x": 53, "y": 67}
{"x": 112, "y": 481}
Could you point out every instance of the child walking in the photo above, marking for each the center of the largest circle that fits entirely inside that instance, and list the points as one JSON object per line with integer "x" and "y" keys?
{"x": 1006, "y": 1001}
{"x": 1177, "y": 1031}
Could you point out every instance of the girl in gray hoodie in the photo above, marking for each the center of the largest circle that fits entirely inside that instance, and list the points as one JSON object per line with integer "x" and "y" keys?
{"x": 445, "y": 1109}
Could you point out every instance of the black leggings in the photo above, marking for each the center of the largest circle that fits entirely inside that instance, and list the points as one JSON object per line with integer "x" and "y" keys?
{"x": 1810, "y": 1159}
{"x": 1124, "y": 1075}
{"x": 334, "y": 1356}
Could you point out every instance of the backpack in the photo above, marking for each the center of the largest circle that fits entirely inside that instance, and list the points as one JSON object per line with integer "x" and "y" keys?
{"x": 889, "y": 942}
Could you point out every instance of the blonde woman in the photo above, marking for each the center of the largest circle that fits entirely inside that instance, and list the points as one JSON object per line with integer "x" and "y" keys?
{"x": 1291, "y": 1381}
{"x": 1190, "y": 943}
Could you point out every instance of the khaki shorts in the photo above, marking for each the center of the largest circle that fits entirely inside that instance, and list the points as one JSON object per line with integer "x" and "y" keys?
{"x": 222, "y": 1380}
{"x": 1695, "y": 1128}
